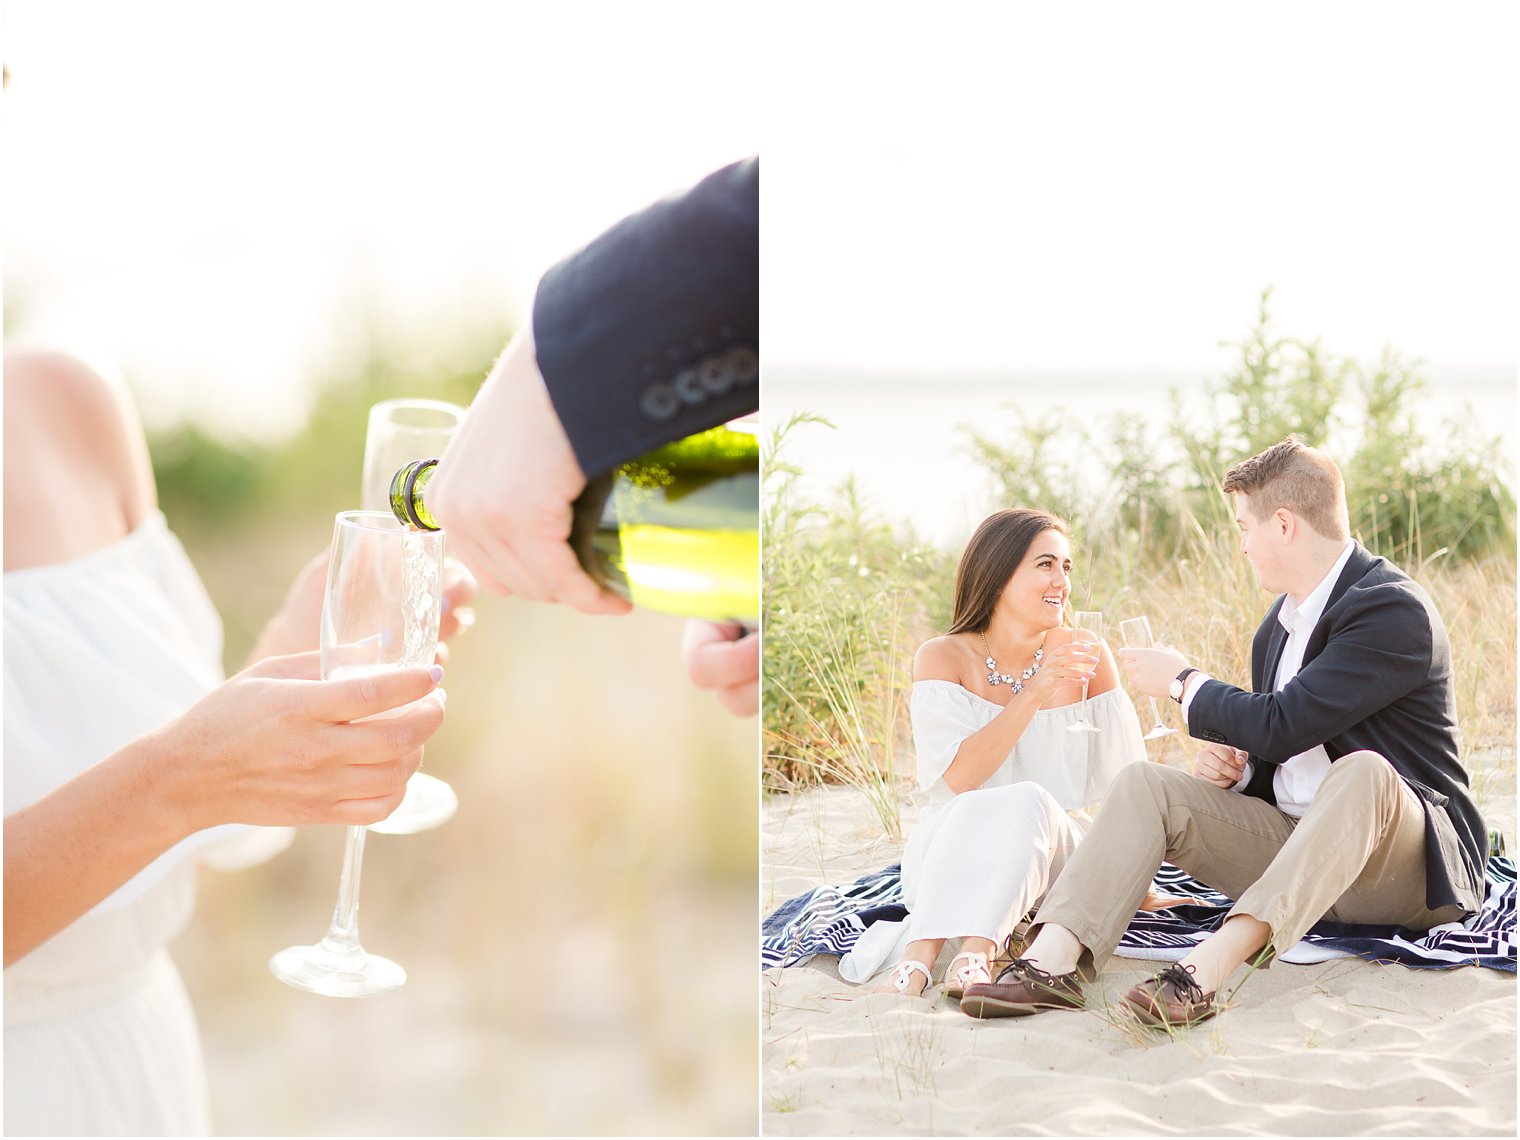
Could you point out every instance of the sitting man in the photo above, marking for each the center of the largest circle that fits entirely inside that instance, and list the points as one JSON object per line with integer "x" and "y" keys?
{"x": 1333, "y": 790}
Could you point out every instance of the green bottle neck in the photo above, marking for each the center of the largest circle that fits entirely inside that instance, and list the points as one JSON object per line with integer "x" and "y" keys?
{"x": 407, "y": 489}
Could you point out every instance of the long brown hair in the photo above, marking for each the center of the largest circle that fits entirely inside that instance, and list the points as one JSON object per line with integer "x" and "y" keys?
{"x": 991, "y": 557}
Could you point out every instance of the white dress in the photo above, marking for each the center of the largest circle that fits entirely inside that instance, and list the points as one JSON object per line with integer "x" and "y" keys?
{"x": 99, "y": 1036}
{"x": 977, "y": 862}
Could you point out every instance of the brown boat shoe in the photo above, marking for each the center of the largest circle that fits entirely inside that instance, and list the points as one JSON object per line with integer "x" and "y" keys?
{"x": 1172, "y": 999}
{"x": 1029, "y": 990}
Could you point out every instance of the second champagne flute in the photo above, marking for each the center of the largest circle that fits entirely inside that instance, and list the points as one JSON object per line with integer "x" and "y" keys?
{"x": 1089, "y": 628}
{"x": 380, "y": 611}
{"x": 1136, "y": 633}
{"x": 400, "y": 431}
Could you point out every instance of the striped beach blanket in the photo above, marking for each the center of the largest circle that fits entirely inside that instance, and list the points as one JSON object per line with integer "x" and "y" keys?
{"x": 829, "y": 919}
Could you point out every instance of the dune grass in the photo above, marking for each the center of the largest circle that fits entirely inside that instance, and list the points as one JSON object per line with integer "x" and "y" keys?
{"x": 849, "y": 596}
{"x": 839, "y": 653}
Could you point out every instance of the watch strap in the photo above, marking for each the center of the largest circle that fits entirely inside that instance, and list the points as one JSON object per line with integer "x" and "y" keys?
{"x": 1179, "y": 686}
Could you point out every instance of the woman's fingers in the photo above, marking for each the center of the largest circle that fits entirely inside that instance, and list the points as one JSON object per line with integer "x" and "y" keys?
{"x": 454, "y": 622}
{"x": 377, "y": 779}
{"x": 354, "y": 698}
{"x": 1072, "y": 662}
{"x": 378, "y": 741}
{"x": 369, "y": 781}
{"x": 363, "y": 812}
{"x": 292, "y": 667}
{"x": 362, "y": 793}
{"x": 276, "y": 746}
{"x": 459, "y": 589}
{"x": 368, "y": 771}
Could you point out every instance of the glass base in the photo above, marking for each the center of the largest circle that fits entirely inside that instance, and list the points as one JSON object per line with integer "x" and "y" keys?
{"x": 1159, "y": 731}
{"x": 428, "y": 803}
{"x": 1082, "y": 726}
{"x": 335, "y": 971}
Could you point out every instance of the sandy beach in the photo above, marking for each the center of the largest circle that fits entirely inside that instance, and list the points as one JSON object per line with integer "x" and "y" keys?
{"x": 1345, "y": 1047}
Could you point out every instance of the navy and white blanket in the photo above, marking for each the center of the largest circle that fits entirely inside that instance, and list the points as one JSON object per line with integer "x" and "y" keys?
{"x": 829, "y": 919}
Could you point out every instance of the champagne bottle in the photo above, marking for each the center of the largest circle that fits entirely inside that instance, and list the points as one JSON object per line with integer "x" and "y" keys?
{"x": 675, "y": 530}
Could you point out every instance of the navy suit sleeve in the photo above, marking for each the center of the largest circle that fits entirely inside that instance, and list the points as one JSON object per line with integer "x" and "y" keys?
{"x": 652, "y": 331}
{"x": 1379, "y": 649}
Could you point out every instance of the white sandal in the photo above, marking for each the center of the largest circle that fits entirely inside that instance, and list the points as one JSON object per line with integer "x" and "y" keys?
{"x": 975, "y": 971}
{"x": 902, "y": 977}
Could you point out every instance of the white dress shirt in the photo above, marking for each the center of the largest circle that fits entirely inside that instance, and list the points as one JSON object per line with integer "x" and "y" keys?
{"x": 1298, "y": 778}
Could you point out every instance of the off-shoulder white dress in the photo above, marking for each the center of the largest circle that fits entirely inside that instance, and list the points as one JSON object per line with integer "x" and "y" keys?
{"x": 977, "y": 862}
{"x": 100, "y": 1039}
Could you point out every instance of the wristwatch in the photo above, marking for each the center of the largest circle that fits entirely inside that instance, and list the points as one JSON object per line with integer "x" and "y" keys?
{"x": 1179, "y": 683}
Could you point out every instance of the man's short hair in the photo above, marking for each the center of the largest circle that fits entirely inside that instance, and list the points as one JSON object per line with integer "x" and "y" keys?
{"x": 1295, "y": 476}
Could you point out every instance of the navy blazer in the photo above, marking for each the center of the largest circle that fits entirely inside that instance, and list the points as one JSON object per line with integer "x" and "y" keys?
{"x": 1376, "y": 675}
{"x": 652, "y": 331}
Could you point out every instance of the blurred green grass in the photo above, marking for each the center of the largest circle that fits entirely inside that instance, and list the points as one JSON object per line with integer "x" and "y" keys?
{"x": 579, "y": 939}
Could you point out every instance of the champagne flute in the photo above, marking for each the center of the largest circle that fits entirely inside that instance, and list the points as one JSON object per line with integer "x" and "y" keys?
{"x": 400, "y": 431}
{"x": 381, "y": 610}
{"x": 1089, "y": 628}
{"x": 1136, "y": 633}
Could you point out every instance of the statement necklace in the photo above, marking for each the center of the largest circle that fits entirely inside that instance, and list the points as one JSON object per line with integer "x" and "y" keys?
{"x": 1016, "y": 684}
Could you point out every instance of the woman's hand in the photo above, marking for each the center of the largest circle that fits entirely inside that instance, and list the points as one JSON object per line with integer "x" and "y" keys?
{"x": 459, "y": 588}
{"x": 275, "y": 745}
{"x": 297, "y": 627}
{"x": 1066, "y": 664}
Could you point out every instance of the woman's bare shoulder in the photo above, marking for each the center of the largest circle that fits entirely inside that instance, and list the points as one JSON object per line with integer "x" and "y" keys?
{"x": 943, "y": 659}
{"x": 48, "y": 376}
{"x": 58, "y": 400}
{"x": 77, "y": 474}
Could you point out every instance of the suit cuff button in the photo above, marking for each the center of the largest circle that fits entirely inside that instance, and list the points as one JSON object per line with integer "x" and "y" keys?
{"x": 659, "y": 403}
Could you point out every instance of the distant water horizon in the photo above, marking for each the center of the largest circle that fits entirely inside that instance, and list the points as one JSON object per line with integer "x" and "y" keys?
{"x": 901, "y": 434}
{"x": 1475, "y": 375}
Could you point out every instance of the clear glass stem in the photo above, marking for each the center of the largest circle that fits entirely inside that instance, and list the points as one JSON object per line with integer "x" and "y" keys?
{"x": 1156, "y": 714}
{"x": 1083, "y": 713}
{"x": 343, "y": 934}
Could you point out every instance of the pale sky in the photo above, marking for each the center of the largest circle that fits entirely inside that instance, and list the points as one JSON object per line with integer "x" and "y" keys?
{"x": 211, "y": 193}
{"x": 1054, "y": 195}
{"x": 1111, "y": 186}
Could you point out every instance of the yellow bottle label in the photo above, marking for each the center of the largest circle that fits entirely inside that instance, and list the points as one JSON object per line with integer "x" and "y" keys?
{"x": 710, "y": 573}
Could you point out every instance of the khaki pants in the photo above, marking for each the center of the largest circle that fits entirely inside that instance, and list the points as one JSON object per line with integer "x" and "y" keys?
{"x": 1357, "y": 855}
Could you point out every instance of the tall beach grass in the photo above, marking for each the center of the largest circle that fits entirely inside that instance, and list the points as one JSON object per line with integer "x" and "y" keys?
{"x": 849, "y": 595}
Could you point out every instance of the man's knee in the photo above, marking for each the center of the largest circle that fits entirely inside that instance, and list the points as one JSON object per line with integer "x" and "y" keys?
{"x": 1150, "y": 775}
{"x": 1364, "y": 767}
{"x": 1145, "y": 782}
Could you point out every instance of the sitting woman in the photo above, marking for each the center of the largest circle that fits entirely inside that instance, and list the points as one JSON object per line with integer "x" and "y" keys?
{"x": 993, "y": 702}
{"x": 126, "y": 752}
